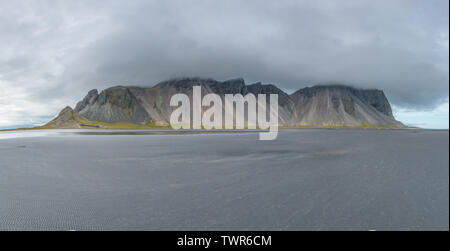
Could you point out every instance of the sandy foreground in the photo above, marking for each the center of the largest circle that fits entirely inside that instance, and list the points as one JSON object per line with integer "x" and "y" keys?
{"x": 304, "y": 180}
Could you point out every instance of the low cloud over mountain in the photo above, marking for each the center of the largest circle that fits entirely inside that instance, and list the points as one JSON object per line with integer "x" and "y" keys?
{"x": 53, "y": 51}
{"x": 332, "y": 105}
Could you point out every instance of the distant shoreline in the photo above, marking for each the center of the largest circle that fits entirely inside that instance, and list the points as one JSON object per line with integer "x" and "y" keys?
{"x": 226, "y": 130}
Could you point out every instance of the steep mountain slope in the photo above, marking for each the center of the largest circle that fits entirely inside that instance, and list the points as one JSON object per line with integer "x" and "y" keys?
{"x": 67, "y": 119}
{"x": 116, "y": 104}
{"x": 338, "y": 105}
{"x": 156, "y": 100}
{"x": 332, "y": 105}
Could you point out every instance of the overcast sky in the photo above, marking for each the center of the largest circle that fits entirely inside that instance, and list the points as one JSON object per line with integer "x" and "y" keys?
{"x": 53, "y": 52}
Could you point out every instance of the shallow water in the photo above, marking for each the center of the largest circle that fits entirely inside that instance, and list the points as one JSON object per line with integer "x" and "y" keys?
{"x": 304, "y": 180}
{"x": 94, "y": 132}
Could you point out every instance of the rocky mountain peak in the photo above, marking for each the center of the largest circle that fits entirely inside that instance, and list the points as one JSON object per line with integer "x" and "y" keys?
{"x": 115, "y": 104}
{"x": 322, "y": 105}
{"x": 372, "y": 97}
{"x": 88, "y": 100}
{"x": 66, "y": 110}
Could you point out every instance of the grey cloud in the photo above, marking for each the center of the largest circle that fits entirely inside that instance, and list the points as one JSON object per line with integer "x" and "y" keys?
{"x": 398, "y": 46}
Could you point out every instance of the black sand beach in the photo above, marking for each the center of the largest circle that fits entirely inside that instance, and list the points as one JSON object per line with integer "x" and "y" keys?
{"x": 304, "y": 180}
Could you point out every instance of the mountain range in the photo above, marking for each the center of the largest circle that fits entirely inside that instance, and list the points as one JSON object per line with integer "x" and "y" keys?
{"x": 332, "y": 105}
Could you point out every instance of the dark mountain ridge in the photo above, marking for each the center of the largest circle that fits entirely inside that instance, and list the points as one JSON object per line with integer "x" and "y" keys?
{"x": 318, "y": 106}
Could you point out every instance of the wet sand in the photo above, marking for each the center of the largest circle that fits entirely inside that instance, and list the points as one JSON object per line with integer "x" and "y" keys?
{"x": 305, "y": 180}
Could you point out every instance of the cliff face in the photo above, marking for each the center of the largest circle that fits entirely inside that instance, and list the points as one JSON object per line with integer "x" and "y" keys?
{"x": 338, "y": 105}
{"x": 332, "y": 105}
{"x": 117, "y": 104}
{"x": 66, "y": 119}
{"x": 156, "y": 100}
{"x": 374, "y": 98}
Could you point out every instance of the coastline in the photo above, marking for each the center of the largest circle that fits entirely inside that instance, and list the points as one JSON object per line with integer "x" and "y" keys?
{"x": 224, "y": 130}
